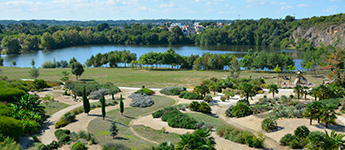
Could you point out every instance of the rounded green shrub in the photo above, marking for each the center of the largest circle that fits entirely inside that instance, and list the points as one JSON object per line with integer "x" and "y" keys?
{"x": 228, "y": 112}
{"x": 301, "y": 132}
{"x": 208, "y": 98}
{"x": 286, "y": 139}
{"x": 8, "y": 94}
{"x": 172, "y": 90}
{"x": 11, "y": 127}
{"x": 115, "y": 146}
{"x": 64, "y": 138}
{"x": 205, "y": 108}
{"x": 4, "y": 110}
{"x": 78, "y": 146}
{"x": 194, "y": 106}
{"x": 269, "y": 124}
{"x": 146, "y": 91}
{"x": 241, "y": 110}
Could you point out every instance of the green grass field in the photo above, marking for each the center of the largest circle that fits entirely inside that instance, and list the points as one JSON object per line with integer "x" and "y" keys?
{"x": 137, "y": 78}
{"x": 53, "y": 107}
{"x": 156, "y": 135}
{"x": 100, "y": 127}
{"x": 215, "y": 122}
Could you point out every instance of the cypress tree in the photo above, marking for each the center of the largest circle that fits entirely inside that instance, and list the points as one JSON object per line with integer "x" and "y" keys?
{"x": 121, "y": 105}
{"x": 86, "y": 102}
{"x": 103, "y": 105}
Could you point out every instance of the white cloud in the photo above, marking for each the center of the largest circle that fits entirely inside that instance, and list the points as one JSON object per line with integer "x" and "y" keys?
{"x": 277, "y": 3}
{"x": 303, "y": 5}
{"x": 167, "y": 5}
{"x": 191, "y": 12}
{"x": 331, "y": 9}
{"x": 208, "y": 3}
{"x": 249, "y": 6}
{"x": 256, "y": 2}
{"x": 285, "y": 7}
{"x": 336, "y": 0}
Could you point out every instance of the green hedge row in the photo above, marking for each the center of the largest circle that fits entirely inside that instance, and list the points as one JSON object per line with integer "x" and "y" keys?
{"x": 8, "y": 94}
{"x": 11, "y": 127}
{"x": 175, "y": 118}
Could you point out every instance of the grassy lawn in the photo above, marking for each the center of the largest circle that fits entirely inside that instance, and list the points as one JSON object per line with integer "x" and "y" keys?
{"x": 137, "y": 78}
{"x": 53, "y": 107}
{"x": 100, "y": 127}
{"x": 215, "y": 122}
{"x": 156, "y": 135}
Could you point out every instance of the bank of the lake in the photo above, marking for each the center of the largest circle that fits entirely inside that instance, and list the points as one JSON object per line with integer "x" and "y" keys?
{"x": 128, "y": 77}
{"x": 82, "y": 53}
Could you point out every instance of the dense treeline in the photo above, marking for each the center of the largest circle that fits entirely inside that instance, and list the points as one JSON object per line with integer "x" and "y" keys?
{"x": 258, "y": 60}
{"x": 19, "y": 38}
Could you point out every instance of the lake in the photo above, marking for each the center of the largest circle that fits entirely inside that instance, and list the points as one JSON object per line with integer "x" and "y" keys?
{"x": 82, "y": 53}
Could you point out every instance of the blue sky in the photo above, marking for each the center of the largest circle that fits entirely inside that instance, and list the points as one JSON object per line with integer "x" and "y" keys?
{"x": 166, "y": 9}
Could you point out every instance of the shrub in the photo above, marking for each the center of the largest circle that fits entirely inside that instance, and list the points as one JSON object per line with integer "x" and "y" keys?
{"x": 146, "y": 91}
{"x": 11, "y": 127}
{"x": 98, "y": 93}
{"x": 39, "y": 84}
{"x": 9, "y": 144}
{"x": 65, "y": 120}
{"x": 241, "y": 110}
{"x": 8, "y": 94}
{"x": 301, "y": 132}
{"x": 228, "y": 112}
{"x": 172, "y": 90}
{"x": 114, "y": 146}
{"x": 59, "y": 132}
{"x": 315, "y": 139}
{"x": 269, "y": 124}
{"x": 64, "y": 138}
{"x": 189, "y": 95}
{"x": 4, "y": 110}
{"x": 208, "y": 98}
{"x": 160, "y": 113}
{"x": 175, "y": 118}
{"x": 141, "y": 100}
{"x": 78, "y": 146}
{"x": 223, "y": 98}
{"x": 286, "y": 139}
{"x": 239, "y": 136}
{"x": 244, "y": 101}
{"x": 77, "y": 111}
{"x": 204, "y": 108}
{"x": 194, "y": 106}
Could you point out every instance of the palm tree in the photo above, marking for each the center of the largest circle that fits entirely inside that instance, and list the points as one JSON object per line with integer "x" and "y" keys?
{"x": 305, "y": 92}
{"x": 199, "y": 139}
{"x": 328, "y": 114}
{"x": 297, "y": 89}
{"x": 323, "y": 92}
{"x": 273, "y": 88}
{"x": 247, "y": 89}
{"x": 312, "y": 110}
{"x": 334, "y": 141}
{"x": 313, "y": 92}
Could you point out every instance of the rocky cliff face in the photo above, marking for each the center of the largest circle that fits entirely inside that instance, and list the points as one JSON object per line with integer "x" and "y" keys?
{"x": 332, "y": 35}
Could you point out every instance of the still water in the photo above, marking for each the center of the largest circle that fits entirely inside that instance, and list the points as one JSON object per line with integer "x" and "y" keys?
{"x": 82, "y": 53}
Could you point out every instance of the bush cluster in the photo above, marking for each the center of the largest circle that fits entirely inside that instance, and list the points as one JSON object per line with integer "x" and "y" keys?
{"x": 65, "y": 120}
{"x": 208, "y": 98}
{"x": 189, "y": 95}
{"x": 146, "y": 91}
{"x": 240, "y": 136}
{"x": 38, "y": 85}
{"x": 11, "y": 127}
{"x": 298, "y": 140}
{"x": 77, "y": 87}
{"x": 8, "y": 94}
{"x": 269, "y": 124}
{"x": 283, "y": 111}
{"x": 78, "y": 146}
{"x": 141, "y": 100}
{"x": 201, "y": 107}
{"x": 172, "y": 90}
{"x": 98, "y": 93}
{"x": 241, "y": 109}
{"x": 175, "y": 118}
{"x": 115, "y": 146}
{"x": 63, "y": 135}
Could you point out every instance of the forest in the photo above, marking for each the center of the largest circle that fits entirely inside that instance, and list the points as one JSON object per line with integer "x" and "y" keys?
{"x": 20, "y": 38}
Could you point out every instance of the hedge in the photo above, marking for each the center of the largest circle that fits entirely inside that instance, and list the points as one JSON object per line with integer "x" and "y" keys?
{"x": 11, "y": 127}
{"x": 8, "y": 94}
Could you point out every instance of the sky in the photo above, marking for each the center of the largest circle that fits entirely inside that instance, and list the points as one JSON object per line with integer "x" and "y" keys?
{"x": 85, "y": 10}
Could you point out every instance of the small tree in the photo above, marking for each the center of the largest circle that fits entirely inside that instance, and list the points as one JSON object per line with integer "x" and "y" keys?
{"x": 113, "y": 90}
{"x": 312, "y": 111}
{"x": 77, "y": 69}
{"x": 34, "y": 73}
{"x": 273, "y": 88}
{"x": 121, "y": 105}
{"x": 14, "y": 63}
{"x": 113, "y": 129}
{"x": 247, "y": 89}
{"x": 86, "y": 102}
{"x": 64, "y": 77}
{"x": 297, "y": 89}
{"x": 328, "y": 115}
{"x": 32, "y": 63}
{"x": 277, "y": 69}
{"x": 103, "y": 105}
